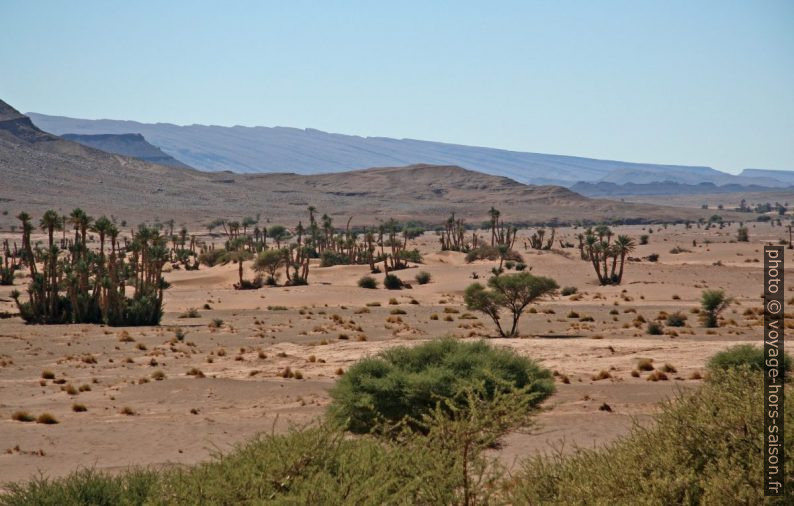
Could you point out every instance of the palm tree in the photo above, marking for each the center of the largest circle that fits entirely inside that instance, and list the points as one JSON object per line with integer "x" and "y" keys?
{"x": 623, "y": 246}
{"x": 27, "y": 249}
{"x": 494, "y": 214}
{"x": 237, "y": 254}
{"x": 75, "y": 219}
{"x": 101, "y": 226}
{"x": 49, "y": 222}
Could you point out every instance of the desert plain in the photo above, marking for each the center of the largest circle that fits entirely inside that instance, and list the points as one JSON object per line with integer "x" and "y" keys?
{"x": 227, "y": 364}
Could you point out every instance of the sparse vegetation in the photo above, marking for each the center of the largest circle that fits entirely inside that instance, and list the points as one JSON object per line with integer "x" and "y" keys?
{"x": 703, "y": 447}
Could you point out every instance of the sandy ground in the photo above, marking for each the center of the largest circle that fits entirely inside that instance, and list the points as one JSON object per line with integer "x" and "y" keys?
{"x": 323, "y": 328}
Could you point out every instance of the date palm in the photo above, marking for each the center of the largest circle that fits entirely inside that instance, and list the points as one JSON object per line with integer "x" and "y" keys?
{"x": 623, "y": 246}
{"x": 50, "y": 221}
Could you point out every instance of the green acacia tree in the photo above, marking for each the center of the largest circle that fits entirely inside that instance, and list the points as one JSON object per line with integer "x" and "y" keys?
{"x": 270, "y": 261}
{"x": 513, "y": 292}
{"x": 713, "y": 303}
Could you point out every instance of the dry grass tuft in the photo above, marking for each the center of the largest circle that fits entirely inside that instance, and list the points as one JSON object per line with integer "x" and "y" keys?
{"x": 22, "y": 416}
{"x": 46, "y": 419}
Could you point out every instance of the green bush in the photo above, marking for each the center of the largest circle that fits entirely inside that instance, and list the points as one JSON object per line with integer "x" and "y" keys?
{"x": 368, "y": 282}
{"x": 213, "y": 257}
{"x": 392, "y": 282}
{"x": 676, "y": 320}
{"x": 423, "y": 278}
{"x": 85, "y": 487}
{"x": 315, "y": 465}
{"x": 713, "y": 303}
{"x": 705, "y": 448}
{"x": 7, "y": 275}
{"x": 330, "y": 258}
{"x": 409, "y": 382}
{"x": 491, "y": 253}
{"x": 568, "y": 290}
{"x": 654, "y": 329}
{"x": 743, "y": 355}
{"x": 412, "y": 255}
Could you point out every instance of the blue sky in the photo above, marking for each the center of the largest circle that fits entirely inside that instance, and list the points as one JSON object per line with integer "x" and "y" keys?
{"x": 686, "y": 82}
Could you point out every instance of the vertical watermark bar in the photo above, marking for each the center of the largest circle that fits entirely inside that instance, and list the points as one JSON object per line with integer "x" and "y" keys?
{"x": 774, "y": 372}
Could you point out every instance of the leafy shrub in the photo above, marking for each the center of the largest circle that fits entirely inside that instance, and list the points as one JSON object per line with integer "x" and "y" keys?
{"x": 330, "y": 258}
{"x": 568, "y": 290}
{"x": 676, "y": 320}
{"x": 405, "y": 383}
{"x": 423, "y": 277}
{"x": 654, "y": 329}
{"x": 491, "y": 253}
{"x": 520, "y": 266}
{"x": 213, "y": 257}
{"x": 703, "y": 449}
{"x": 392, "y": 282}
{"x": 247, "y": 284}
{"x": 743, "y": 355}
{"x": 7, "y": 275}
{"x": 412, "y": 255}
{"x": 315, "y": 465}
{"x": 367, "y": 282}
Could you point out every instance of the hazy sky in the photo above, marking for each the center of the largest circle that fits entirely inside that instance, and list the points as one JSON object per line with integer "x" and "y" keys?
{"x": 689, "y": 82}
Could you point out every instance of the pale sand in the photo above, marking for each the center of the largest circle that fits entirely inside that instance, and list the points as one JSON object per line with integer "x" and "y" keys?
{"x": 243, "y": 394}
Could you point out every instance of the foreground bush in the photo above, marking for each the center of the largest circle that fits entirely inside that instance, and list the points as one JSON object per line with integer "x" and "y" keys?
{"x": 320, "y": 465}
{"x": 705, "y": 448}
{"x": 743, "y": 355}
{"x": 406, "y": 383}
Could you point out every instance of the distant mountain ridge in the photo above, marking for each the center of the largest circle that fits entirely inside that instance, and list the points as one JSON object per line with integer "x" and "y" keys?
{"x": 308, "y": 151}
{"x": 40, "y": 171}
{"x": 134, "y": 145}
{"x": 608, "y": 189}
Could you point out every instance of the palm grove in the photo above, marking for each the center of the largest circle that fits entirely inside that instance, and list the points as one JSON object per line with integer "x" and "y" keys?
{"x": 119, "y": 281}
